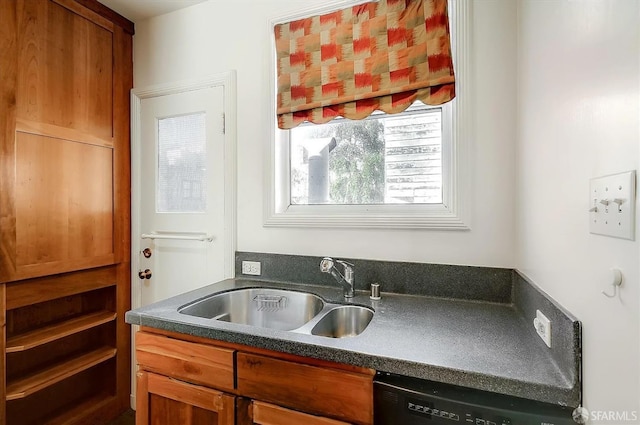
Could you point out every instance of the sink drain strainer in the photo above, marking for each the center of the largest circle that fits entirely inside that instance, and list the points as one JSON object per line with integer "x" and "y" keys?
{"x": 270, "y": 303}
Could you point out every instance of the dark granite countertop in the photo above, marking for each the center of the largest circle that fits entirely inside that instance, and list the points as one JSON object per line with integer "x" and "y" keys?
{"x": 468, "y": 343}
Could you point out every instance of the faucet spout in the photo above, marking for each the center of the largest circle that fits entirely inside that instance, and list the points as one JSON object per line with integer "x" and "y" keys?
{"x": 346, "y": 279}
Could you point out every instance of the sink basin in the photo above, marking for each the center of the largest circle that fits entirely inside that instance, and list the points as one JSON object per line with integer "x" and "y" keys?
{"x": 263, "y": 307}
{"x": 343, "y": 322}
{"x": 282, "y": 309}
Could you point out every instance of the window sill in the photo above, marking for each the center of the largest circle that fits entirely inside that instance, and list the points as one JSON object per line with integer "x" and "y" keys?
{"x": 366, "y": 217}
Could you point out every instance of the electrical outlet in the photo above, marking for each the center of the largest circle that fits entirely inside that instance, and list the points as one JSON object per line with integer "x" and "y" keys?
{"x": 251, "y": 268}
{"x": 543, "y": 327}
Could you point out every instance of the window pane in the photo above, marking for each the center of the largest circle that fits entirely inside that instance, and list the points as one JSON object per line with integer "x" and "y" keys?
{"x": 182, "y": 164}
{"x": 385, "y": 159}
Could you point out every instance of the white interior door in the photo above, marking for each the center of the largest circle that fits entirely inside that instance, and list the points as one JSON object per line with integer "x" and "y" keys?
{"x": 182, "y": 199}
{"x": 197, "y": 201}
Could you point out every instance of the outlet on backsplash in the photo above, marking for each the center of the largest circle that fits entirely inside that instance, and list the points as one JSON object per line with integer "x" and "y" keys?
{"x": 251, "y": 268}
{"x": 543, "y": 327}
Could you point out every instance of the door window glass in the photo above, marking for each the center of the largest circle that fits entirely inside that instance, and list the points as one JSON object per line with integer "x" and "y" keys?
{"x": 182, "y": 159}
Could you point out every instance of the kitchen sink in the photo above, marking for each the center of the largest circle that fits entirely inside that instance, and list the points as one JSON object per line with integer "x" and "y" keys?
{"x": 263, "y": 307}
{"x": 282, "y": 309}
{"x": 343, "y": 321}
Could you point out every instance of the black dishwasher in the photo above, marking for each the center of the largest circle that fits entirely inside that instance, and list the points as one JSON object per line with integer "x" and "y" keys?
{"x": 400, "y": 400}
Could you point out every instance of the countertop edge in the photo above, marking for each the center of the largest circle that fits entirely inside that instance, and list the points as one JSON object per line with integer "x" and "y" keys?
{"x": 566, "y": 396}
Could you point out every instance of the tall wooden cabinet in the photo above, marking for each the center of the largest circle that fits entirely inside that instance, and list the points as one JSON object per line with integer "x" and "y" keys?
{"x": 65, "y": 77}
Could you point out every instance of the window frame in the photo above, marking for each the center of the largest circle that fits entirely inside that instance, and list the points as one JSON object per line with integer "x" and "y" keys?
{"x": 452, "y": 214}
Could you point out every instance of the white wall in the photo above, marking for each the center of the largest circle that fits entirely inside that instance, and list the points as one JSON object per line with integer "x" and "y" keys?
{"x": 578, "y": 118}
{"x": 576, "y": 78}
{"x": 217, "y": 36}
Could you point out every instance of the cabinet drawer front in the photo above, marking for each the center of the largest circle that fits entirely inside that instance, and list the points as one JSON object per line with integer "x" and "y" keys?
{"x": 268, "y": 414}
{"x": 194, "y": 395}
{"x": 188, "y": 361}
{"x": 318, "y": 390}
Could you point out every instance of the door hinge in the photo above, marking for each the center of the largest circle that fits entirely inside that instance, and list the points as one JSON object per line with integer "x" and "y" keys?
{"x": 224, "y": 122}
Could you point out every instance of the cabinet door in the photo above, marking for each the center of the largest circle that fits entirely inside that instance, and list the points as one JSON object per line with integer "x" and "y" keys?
{"x": 165, "y": 401}
{"x": 269, "y": 414}
{"x": 62, "y": 141}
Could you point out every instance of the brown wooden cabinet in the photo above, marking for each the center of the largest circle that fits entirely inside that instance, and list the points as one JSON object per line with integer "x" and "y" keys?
{"x": 163, "y": 400}
{"x": 266, "y": 387}
{"x": 188, "y": 361}
{"x": 269, "y": 414}
{"x": 316, "y": 389}
{"x": 66, "y": 70}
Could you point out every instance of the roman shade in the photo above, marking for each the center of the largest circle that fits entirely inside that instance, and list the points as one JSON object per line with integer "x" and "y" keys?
{"x": 379, "y": 55}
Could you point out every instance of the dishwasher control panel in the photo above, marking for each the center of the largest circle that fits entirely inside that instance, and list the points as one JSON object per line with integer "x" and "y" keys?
{"x": 410, "y": 401}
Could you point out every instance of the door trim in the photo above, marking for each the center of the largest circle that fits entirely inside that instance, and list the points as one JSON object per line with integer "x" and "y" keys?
{"x": 228, "y": 82}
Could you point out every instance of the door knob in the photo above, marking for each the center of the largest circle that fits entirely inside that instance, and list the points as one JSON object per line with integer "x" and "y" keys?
{"x": 146, "y": 274}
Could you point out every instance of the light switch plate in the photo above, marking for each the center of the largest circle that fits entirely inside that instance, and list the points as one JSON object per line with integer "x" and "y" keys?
{"x": 612, "y": 203}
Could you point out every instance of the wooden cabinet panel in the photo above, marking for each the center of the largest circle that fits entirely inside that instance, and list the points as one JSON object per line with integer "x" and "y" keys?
{"x": 197, "y": 363}
{"x": 165, "y": 401}
{"x": 9, "y": 67}
{"x": 269, "y": 414}
{"x": 61, "y": 135}
{"x": 348, "y": 396}
{"x": 74, "y": 180}
{"x": 66, "y": 74}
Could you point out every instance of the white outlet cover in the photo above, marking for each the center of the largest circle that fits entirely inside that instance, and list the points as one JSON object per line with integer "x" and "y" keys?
{"x": 612, "y": 203}
{"x": 251, "y": 268}
{"x": 543, "y": 327}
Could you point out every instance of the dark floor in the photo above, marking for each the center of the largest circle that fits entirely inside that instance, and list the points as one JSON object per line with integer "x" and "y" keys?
{"x": 127, "y": 418}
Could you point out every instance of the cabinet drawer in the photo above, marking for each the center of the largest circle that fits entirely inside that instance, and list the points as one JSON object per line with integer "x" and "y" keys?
{"x": 188, "y": 361}
{"x": 269, "y": 414}
{"x": 319, "y": 390}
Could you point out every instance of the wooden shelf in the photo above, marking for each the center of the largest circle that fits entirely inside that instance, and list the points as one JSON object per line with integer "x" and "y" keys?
{"x": 23, "y": 387}
{"x": 79, "y": 412}
{"x": 54, "y": 332}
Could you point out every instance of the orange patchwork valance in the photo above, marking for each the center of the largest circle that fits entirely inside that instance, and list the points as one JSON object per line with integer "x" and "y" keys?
{"x": 379, "y": 55}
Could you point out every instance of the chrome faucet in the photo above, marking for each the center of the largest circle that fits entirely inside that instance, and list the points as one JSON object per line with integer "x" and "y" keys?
{"x": 327, "y": 265}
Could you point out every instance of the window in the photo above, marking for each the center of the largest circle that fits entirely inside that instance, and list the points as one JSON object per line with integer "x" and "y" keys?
{"x": 383, "y": 159}
{"x": 405, "y": 170}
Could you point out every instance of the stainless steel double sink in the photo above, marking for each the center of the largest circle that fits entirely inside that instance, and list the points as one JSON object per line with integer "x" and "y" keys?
{"x": 282, "y": 309}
